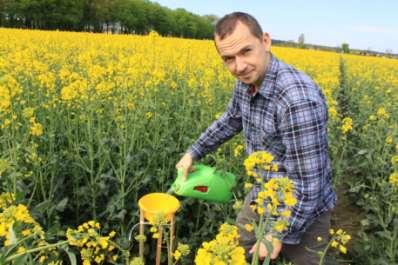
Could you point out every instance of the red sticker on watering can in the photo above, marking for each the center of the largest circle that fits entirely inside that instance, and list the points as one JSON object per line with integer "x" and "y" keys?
{"x": 201, "y": 188}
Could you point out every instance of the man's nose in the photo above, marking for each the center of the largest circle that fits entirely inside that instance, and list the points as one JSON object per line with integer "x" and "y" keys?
{"x": 240, "y": 65}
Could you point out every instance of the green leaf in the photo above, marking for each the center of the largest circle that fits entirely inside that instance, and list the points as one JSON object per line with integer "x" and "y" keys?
{"x": 362, "y": 152}
{"x": 11, "y": 235}
{"x": 62, "y": 204}
{"x": 4, "y": 165}
{"x": 71, "y": 255}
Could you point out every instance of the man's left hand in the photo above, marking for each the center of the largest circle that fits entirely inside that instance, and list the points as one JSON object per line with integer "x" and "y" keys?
{"x": 276, "y": 248}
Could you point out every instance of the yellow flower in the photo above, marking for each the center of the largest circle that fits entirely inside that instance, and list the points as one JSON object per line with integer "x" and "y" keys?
{"x": 249, "y": 227}
{"x": 286, "y": 213}
{"x": 149, "y": 115}
{"x": 334, "y": 244}
{"x": 333, "y": 112}
{"x": 389, "y": 140}
{"x": 36, "y": 129}
{"x": 274, "y": 168}
{"x": 394, "y": 160}
{"x": 224, "y": 249}
{"x": 103, "y": 242}
{"x": 280, "y": 226}
{"x": 177, "y": 255}
{"x": 290, "y": 200}
{"x": 26, "y": 232}
{"x": 28, "y": 112}
{"x": 347, "y": 125}
{"x": 21, "y": 250}
{"x": 342, "y": 249}
{"x": 111, "y": 234}
{"x": 382, "y": 113}
{"x": 393, "y": 179}
{"x": 237, "y": 205}
{"x": 248, "y": 185}
{"x": 42, "y": 259}
{"x": 238, "y": 150}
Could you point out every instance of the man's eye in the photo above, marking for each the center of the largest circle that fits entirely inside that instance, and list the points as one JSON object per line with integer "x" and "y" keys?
{"x": 228, "y": 59}
{"x": 246, "y": 51}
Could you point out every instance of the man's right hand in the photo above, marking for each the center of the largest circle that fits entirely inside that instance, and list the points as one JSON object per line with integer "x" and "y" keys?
{"x": 185, "y": 164}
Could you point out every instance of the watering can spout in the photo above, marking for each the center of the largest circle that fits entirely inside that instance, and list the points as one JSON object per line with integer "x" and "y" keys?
{"x": 205, "y": 183}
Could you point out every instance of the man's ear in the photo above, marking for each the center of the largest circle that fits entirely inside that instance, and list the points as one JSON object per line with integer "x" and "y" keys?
{"x": 266, "y": 40}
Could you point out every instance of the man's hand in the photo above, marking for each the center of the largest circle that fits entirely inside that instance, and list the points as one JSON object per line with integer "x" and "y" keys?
{"x": 185, "y": 164}
{"x": 276, "y": 244}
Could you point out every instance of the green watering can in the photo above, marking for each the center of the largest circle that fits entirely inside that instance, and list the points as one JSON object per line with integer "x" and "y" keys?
{"x": 205, "y": 183}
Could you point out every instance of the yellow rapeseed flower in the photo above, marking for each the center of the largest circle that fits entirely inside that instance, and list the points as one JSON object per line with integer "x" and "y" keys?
{"x": 347, "y": 125}
{"x": 393, "y": 179}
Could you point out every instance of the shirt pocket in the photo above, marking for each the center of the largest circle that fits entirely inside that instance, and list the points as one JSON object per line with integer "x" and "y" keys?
{"x": 261, "y": 139}
{"x": 265, "y": 138}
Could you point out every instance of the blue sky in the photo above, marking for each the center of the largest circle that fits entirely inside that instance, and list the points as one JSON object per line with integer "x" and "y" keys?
{"x": 362, "y": 24}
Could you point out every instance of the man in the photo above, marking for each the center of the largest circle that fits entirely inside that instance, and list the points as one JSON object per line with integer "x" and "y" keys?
{"x": 283, "y": 112}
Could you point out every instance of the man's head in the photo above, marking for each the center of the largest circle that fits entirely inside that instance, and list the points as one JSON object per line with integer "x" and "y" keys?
{"x": 243, "y": 47}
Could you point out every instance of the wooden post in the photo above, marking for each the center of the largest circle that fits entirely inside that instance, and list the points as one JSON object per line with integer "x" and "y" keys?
{"x": 159, "y": 245}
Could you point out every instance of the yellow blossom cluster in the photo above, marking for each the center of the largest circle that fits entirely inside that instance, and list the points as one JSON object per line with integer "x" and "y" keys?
{"x": 347, "y": 125}
{"x": 238, "y": 150}
{"x": 259, "y": 161}
{"x": 393, "y": 178}
{"x": 18, "y": 216}
{"x": 94, "y": 248}
{"x": 157, "y": 222}
{"x": 223, "y": 250}
{"x": 382, "y": 113}
{"x": 339, "y": 240}
{"x": 36, "y": 129}
{"x": 276, "y": 196}
{"x": 6, "y": 199}
{"x": 19, "y": 232}
{"x": 181, "y": 251}
{"x": 373, "y": 70}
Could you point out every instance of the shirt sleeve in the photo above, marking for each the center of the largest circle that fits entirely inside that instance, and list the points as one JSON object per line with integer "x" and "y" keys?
{"x": 228, "y": 125}
{"x": 304, "y": 134}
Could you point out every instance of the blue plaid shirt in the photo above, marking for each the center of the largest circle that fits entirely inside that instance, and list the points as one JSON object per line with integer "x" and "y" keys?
{"x": 287, "y": 117}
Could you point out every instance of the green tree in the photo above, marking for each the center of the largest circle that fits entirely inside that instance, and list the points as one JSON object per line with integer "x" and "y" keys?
{"x": 345, "y": 48}
{"x": 301, "y": 41}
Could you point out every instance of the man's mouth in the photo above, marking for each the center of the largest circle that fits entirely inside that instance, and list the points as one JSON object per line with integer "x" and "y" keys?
{"x": 245, "y": 75}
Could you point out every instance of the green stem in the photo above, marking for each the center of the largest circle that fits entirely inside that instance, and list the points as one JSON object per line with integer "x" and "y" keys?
{"x": 65, "y": 242}
{"x": 321, "y": 261}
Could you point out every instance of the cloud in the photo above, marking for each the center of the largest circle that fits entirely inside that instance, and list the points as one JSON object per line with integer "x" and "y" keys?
{"x": 375, "y": 29}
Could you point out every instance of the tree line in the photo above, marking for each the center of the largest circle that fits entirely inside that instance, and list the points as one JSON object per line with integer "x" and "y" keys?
{"x": 121, "y": 16}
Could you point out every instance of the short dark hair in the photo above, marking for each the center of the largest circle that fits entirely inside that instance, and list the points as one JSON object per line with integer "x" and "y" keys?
{"x": 227, "y": 24}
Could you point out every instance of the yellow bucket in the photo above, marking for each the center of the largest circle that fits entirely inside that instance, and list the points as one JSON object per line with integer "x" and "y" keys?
{"x": 153, "y": 204}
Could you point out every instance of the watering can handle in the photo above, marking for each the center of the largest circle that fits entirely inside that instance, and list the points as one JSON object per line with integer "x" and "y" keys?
{"x": 180, "y": 173}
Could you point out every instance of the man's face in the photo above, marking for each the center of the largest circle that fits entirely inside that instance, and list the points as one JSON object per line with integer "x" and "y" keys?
{"x": 245, "y": 55}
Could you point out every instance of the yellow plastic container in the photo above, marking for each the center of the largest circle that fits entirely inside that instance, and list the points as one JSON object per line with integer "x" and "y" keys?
{"x": 153, "y": 204}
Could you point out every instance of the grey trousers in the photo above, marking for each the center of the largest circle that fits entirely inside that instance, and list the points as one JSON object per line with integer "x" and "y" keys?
{"x": 297, "y": 254}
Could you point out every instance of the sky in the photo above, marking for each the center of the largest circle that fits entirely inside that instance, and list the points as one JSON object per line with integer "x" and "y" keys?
{"x": 362, "y": 24}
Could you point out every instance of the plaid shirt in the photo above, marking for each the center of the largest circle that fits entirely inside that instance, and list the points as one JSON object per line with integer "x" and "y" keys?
{"x": 287, "y": 117}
